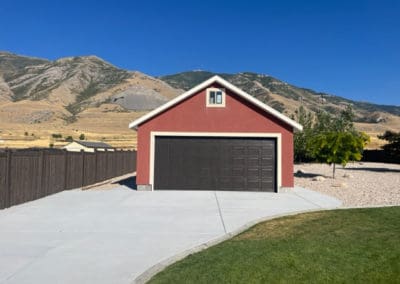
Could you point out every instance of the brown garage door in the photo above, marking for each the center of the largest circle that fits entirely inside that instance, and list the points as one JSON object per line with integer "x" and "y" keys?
{"x": 213, "y": 163}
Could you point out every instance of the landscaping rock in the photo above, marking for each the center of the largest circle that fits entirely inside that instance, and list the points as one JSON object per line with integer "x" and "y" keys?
{"x": 346, "y": 175}
{"x": 368, "y": 187}
{"x": 340, "y": 184}
{"x": 300, "y": 172}
{"x": 318, "y": 178}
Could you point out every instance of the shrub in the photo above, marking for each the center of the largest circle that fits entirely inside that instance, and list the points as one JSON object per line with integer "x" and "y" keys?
{"x": 393, "y": 147}
{"x": 56, "y": 135}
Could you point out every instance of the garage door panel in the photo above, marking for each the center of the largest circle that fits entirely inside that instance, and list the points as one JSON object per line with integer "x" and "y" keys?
{"x": 238, "y": 151}
{"x": 226, "y": 172}
{"x": 265, "y": 173}
{"x": 253, "y": 151}
{"x": 238, "y": 171}
{"x": 254, "y": 185}
{"x": 265, "y": 162}
{"x": 238, "y": 161}
{"x": 253, "y": 162}
{"x": 214, "y": 163}
{"x": 253, "y": 173}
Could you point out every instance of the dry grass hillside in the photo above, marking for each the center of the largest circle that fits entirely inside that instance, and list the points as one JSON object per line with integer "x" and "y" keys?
{"x": 71, "y": 96}
{"x": 85, "y": 94}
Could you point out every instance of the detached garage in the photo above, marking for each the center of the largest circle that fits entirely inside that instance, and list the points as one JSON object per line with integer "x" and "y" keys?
{"x": 215, "y": 137}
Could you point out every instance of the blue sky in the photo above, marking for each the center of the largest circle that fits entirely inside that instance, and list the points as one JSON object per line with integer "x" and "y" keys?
{"x": 347, "y": 48}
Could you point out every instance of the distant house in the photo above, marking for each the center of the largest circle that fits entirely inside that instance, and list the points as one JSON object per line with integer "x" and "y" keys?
{"x": 87, "y": 146}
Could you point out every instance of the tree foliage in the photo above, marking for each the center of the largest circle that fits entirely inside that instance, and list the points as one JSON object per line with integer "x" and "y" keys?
{"x": 338, "y": 147}
{"x": 329, "y": 139}
{"x": 393, "y": 146}
{"x": 301, "y": 139}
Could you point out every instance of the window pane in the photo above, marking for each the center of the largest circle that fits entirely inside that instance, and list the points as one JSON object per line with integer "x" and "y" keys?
{"x": 212, "y": 98}
{"x": 219, "y": 97}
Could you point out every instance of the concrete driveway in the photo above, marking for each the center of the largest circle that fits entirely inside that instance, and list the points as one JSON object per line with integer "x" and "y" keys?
{"x": 114, "y": 235}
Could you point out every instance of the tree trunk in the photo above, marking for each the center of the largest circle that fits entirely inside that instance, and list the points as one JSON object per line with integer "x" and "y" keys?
{"x": 334, "y": 169}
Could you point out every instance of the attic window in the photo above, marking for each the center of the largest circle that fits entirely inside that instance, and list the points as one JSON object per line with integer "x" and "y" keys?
{"x": 215, "y": 97}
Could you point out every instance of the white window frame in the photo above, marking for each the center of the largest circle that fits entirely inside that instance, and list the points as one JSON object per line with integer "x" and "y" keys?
{"x": 209, "y": 90}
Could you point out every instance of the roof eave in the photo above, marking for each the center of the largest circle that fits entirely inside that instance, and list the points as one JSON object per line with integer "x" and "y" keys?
{"x": 216, "y": 79}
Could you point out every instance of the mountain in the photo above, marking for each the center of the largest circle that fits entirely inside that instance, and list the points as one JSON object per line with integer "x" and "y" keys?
{"x": 77, "y": 82}
{"x": 85, "y": 94}
{"x": 73, "y": 94}
{"x": 285, "y": 97}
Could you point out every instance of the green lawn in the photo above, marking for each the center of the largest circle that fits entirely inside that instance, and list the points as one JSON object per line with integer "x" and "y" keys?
{"x": 340, "y": 246}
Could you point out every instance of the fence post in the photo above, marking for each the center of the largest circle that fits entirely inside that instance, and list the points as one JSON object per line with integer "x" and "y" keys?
{"x": 95, "y": 165}
{"x": 65, "y": 168}
{"x": 83, "y": 167}
{"x": 7, "y": 197}
{"x": 40, "y": 191}
{"x": 106, "y": 155}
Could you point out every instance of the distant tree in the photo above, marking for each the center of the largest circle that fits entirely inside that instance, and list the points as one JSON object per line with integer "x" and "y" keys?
{"x": 345, "y": 120}
{"x": 51, "y": 145}
{"x": 69, "y": 139}
{"x": 26, "y": 133}
{"x": 393, "y": 146}
{"x": 335, "y": 139}
{"x": 301, "y": 139}
{"x": 82, "y": 136}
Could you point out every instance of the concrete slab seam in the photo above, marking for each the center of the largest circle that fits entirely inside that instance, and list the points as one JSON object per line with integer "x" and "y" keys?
{"x": 220, "y": 212}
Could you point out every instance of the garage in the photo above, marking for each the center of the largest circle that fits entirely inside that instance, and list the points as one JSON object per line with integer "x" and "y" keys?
{"x": 215, "y": 163}
{"x": 215, "y": 136}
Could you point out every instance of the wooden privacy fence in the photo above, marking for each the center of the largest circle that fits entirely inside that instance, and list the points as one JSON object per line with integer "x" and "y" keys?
{"x": 27, "y": 175}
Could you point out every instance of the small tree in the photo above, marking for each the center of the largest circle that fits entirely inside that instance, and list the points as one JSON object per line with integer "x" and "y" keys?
{"x": 69, "y": 139}
{"x": 82, "y": 137}
{"x": 338, "y": 147}
{"x": 393, "y": 147}
{"x": 335, "y": 140}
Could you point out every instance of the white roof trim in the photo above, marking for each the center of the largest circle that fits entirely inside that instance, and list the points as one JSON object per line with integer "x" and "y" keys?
{"x": 226, "y": 84}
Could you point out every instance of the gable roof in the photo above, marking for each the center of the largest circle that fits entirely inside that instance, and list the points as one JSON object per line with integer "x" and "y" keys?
{"x": 226, "y": 84}
{"x": 93, "y": 144}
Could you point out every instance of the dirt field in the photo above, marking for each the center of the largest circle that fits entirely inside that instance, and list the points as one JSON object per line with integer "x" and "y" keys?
{"x": 109, "y": 127}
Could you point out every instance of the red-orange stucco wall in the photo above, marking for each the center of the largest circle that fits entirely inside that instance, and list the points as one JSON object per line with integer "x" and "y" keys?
{"x": 192, "y": 115}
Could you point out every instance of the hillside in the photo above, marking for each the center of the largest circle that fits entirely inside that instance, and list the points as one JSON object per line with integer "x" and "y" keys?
{"x": 72, "y": 95}
{"x": 85, "y": 94}
{"x": 371, "y": 118}
{"x": 283, "y": 96}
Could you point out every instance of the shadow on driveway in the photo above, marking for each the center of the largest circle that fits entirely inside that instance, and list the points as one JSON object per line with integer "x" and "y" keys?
{"x": 128, "y": 182}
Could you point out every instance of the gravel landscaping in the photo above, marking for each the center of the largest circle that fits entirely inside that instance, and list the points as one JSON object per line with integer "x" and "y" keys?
{"x": 358, "y": 184}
